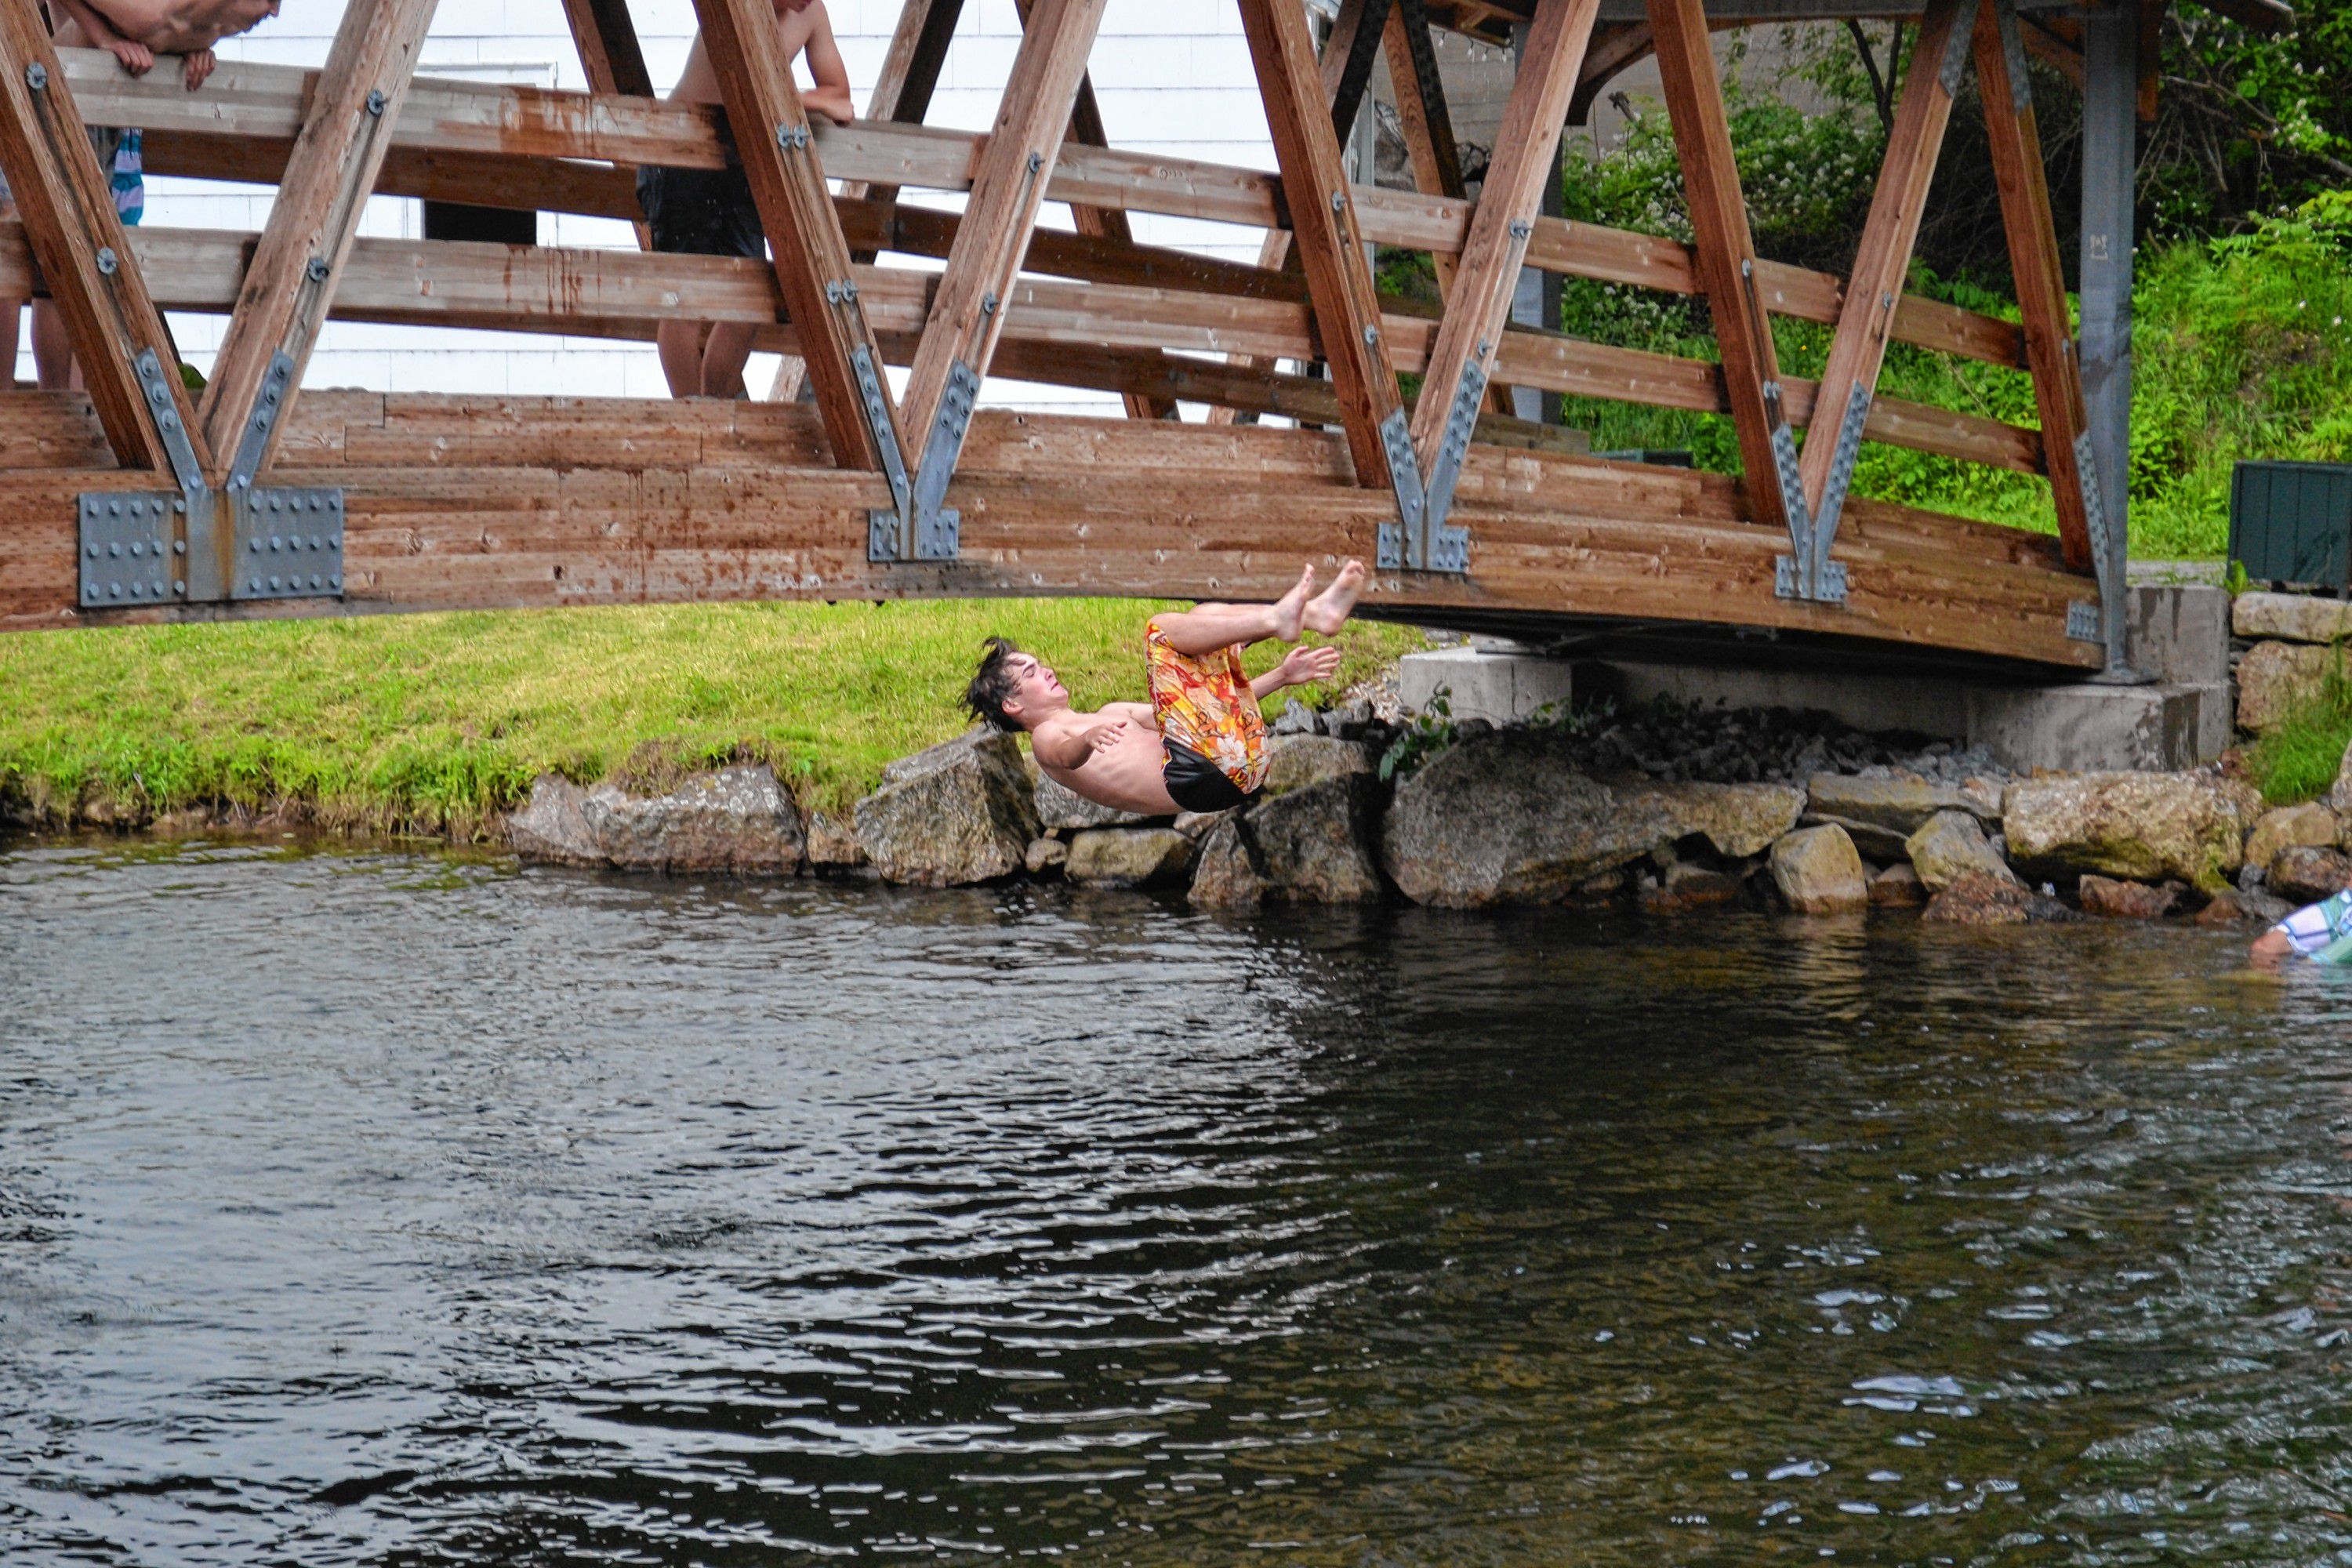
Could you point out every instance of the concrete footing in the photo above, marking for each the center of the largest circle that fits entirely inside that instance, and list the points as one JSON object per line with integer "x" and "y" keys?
{"x": 2178, "y": 633}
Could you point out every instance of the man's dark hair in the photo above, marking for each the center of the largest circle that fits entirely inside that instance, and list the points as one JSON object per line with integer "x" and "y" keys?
{"x": 992, "y": 684}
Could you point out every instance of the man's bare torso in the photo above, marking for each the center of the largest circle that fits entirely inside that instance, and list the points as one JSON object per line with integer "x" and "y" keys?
{"x": 180, "y": 26}
{"x": 1128, "y": 776}
{"x": 699, "y": 83}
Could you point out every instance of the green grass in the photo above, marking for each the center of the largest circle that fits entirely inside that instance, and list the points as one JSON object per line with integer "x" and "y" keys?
{"x": 2299, "y": 761}
{"x": 434, "y": 723}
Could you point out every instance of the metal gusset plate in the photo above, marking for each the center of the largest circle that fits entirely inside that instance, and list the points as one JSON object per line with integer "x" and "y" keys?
{"x": 1955, "y": 63}
{"x": 1796, "y": 584}
{"x": 1454, "y": 448}
{"x": 1449, "y": 550}
{"x": 1404, "y": 478}
{"x": 2084, "y": 623}
{"x": 1388, "y": 554}
{"x": 1833, "y": 488}
{"x": 128, "y": 556}
{"x": 288, "y": 543}
{"x": 267, "y": 402}
{"x": 938, "y": 532}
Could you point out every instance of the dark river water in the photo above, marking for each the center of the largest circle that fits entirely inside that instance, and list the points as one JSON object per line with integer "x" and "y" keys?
{"x": 397, "y": 1209}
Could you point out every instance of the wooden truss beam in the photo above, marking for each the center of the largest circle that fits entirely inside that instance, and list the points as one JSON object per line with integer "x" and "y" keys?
{"x": 966, "y": 316}
{"x": 1525, "y": 156}
{"x": 291, "y": 282}
{"x": 609, "y": 51}
{"x": 86, "y": 258}
{"x": 1725, "y": 256}
{"x": 1331, "y": 248}
{"x": 450, "y": 127}
{"x": 1108, "y": 223}
{"x": 2032, "y": 235}
{"x": 810, "y": 256}
{"x": 1882, "y": 261}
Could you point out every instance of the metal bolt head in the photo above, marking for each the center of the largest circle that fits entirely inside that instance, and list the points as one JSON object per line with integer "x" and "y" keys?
{"x": 317, "y": 269}
{"x": 37, "y": 76}
{"x": 1338, "y": 201}
{"x": 1036, "y": 162}
{"x": 376, "y": 102}
{"x": 107, "y": 260}
{"x": 1371, "y": 334}
{"x": 988, "y": 304}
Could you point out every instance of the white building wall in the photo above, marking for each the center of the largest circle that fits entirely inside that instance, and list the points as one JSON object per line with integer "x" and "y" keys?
{"x": 1173, "y": 77}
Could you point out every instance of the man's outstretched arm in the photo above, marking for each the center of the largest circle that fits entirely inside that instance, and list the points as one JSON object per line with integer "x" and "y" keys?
{"x": 1300, "y": 666}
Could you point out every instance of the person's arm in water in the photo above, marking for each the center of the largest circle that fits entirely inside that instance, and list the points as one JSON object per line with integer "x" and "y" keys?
{"x": 1300, "y": 666}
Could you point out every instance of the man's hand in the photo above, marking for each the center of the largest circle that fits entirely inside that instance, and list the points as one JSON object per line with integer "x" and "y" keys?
{"x": 1107, "y": 737}
{"x": 136, "y": 58}
{"x": 1302, "y": 666}
{"x": 195, "y": 68}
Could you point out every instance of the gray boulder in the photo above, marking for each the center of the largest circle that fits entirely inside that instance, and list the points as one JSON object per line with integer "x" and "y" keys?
{"x": 1880, "y": 814}
{"x": 1127, "y": 857}
{"x": 2305, "y": 875}
{"x": 2144, "y": 827}
{"x": 1226, "y": 876}
{"x": 1047, "y": 856}
{"x": 1310, "y": 844}
{"x": 2295, "y": 617}
{"x": 1503, "y": 817}
{"x": 1818, "y": 873}
{"x": 966, "y": 814}
{"x": 1977, "y": 899}
{"x": 740, "y": 819}
{"x": 550, "y": 829}
{"x": 1950, "y": 846}
{"x": 831, "y": 843}
{"x": 2339, "y": 798}
{"x": 1296, "y": 761}
{"x": 2289, "y": 828}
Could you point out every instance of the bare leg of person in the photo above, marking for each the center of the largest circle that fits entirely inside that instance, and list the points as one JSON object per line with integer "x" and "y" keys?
{"x": 724, "y": 357}
{"x": 1329, "y": 610}
{"x": 679, "y": 343}
{"x": 1205, "y": 628}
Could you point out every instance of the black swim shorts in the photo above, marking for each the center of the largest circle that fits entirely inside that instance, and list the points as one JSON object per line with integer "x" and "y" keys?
{"x": 702, "y": 212}
{"x": 1197, "y": 783}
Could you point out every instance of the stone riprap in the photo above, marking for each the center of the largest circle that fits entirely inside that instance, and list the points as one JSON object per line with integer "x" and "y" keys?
{"x": 2277, "y": 679}
{"x": 1511, "y": 816}
{"x": 2291, "y": 617}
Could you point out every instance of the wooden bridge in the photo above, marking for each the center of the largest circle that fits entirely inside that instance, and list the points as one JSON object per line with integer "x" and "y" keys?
{"x": 142, "y": 501}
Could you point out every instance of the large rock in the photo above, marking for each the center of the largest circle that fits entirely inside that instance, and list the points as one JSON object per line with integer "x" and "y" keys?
{"x": 1950, "y": 846}
{"x": 1128, "y": 857}
{"x": 831, "y": 843}
{"x": 1688, "y": 888}
{"x": 2296, "y": 617}
{"x": 2125, "y": 900}
{"x": 550, "y": 829}
{"x": 740, "y": 819}
{"x": 1818, "y": 872}
{"x": 1296, "y": 761}
{"x": 2305, "y": 875}
{"x": 1880, "y": 814}
{"x": 957, "y": 814}
{"x": 2276, "y": 679}
{"x": 1226, "y": 876}
{"x": 2339, "y": 798}
{"x": 2289, "y": 828}
{"x": 2144, "y": 827}
{"x": 1310, "y": 844}
{"x": 1059, "y": 807}
{"x": 1897, "y": 887}
{"x": 1503, "y": 817}
{"x": 1977, "y": 899}
{"x": 1047, "y": 856}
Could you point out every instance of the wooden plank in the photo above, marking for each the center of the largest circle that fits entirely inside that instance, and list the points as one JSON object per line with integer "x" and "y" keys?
{"x": 2033, "y": 236}
{"x": 451, "y": 123}
{"x": 1525, "y": 156}
{"x": 1725, "y": 252}
{"x": 1883, "y": 257}
{"x": 1096, "y": 222}
{"x": 1346, "y": 309}
{"x": 1007, "y": 186}
{"x": 290, "y": 283}
{"x": 810, "y": 256}
{"x": 68, "y": 211}
{"x": 609, "y": 52}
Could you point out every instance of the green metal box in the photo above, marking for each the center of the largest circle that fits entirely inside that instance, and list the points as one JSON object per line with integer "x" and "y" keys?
{"x": 2291, "y": 523}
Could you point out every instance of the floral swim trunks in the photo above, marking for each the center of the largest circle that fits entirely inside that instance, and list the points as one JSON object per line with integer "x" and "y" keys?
{"x": 1209, "y": 726}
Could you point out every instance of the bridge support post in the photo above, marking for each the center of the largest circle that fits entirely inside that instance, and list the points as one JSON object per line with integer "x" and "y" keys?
{"x": 2111, "y": 41}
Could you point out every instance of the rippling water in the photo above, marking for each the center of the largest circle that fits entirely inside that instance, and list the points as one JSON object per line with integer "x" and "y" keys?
{"x": 396, "y": 1209}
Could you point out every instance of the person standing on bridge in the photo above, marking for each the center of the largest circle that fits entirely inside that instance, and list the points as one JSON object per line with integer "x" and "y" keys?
{"x": 709, "y": 212}
{"x": 1200, "y": 743}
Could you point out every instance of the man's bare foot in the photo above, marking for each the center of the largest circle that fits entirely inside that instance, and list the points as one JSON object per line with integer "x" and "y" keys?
{"x": 1291, "y": 609}
{"x": 1330, "y": 608}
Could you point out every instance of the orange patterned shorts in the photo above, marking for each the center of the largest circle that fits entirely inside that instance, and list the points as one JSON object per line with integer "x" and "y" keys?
{"x": 1204, "y": 704}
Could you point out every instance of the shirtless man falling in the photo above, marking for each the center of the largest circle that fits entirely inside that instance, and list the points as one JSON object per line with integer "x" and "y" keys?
{"x": 1200, "y": 743}
{"x": 709, "y": 212}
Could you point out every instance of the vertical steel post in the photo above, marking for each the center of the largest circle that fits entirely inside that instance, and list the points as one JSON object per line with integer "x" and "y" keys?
{"x": 1535, "y": 303}
{"x": 2110, "y": 130}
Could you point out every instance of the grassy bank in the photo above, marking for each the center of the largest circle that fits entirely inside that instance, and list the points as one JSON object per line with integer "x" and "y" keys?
{"x": 433, "y": 722}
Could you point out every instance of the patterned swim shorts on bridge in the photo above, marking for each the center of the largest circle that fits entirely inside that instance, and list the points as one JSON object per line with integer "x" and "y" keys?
{"x": 1209, "y": 724}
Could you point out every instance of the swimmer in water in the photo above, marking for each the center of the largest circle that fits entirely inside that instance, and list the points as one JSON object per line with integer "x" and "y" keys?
{"x": 2321, "y": 932}
{"x": 1200, "y": 743}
